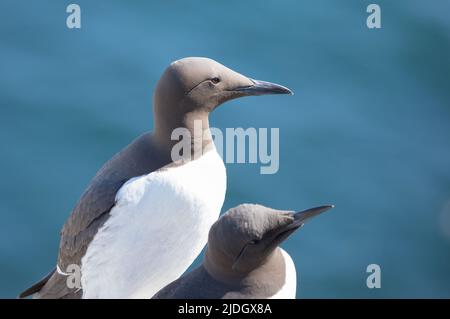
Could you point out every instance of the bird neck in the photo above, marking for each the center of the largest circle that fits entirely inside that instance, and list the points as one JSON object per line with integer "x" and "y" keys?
{"x": 185, "y": 137}
{"x": 270, "y": 269}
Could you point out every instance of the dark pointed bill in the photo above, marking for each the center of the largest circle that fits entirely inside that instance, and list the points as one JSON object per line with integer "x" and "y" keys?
{"x": 302, "y": 217}
{"x": 262, "y": 87}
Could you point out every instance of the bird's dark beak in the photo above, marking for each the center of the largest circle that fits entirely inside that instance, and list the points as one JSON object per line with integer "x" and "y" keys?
{"x": 261, "y": 87}
{"x": 300, "y": 219}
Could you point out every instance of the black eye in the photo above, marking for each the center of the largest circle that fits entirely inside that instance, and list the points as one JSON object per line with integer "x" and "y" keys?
{"x": 215, "y": 80}
{"x": 254, "y": 242}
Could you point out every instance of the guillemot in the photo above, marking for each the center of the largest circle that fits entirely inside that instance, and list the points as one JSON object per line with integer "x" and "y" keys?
{"x": 243, "y": 258}
{"x": 143, "y": 208}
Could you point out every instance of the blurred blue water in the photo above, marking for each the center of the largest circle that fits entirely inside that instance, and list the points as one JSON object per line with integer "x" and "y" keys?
{"x": 368, "y": 128}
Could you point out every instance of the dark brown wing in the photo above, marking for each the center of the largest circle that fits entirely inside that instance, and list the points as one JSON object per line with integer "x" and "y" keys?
{"x": 37, "y": 286}
{"x": 92, "y": 210}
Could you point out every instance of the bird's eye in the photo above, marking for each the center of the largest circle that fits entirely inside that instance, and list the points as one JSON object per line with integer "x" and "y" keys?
{"x": 215, "y": 80}
{"x": 254, "y": 242}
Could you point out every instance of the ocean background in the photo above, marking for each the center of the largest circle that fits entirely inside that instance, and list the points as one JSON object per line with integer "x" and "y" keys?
{"x": 368, "y": 128}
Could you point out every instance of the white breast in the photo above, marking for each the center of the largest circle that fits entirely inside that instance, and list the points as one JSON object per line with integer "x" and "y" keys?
{"x": 290, "y": 285}
{"x": 158, "y": 227}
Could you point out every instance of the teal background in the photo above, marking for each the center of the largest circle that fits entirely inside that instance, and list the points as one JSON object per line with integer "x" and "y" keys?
{"x": 368, "y": 128}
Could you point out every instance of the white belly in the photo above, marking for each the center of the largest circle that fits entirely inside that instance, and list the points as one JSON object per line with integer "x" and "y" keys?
{"x": 158, "y": 227}
{"x": 290, "y": 285}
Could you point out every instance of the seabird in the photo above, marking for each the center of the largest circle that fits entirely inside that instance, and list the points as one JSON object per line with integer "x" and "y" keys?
{"x": 144, "y": 217}
{"x": 243, "y": 258}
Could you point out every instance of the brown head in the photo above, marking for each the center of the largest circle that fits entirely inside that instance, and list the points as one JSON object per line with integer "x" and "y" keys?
{"x": 247, "y": 237}
{"x": 191, "y": 88}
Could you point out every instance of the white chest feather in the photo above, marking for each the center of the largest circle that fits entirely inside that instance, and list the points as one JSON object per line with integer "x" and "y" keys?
{"x": 157, "y": 228}
{"x": 289, "y": 288}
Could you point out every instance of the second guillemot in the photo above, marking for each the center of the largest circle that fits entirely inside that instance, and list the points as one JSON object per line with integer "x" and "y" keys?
{"x": 243, "y": 258}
